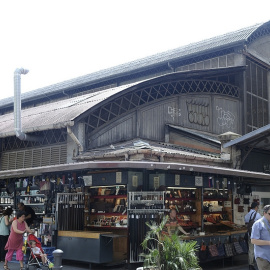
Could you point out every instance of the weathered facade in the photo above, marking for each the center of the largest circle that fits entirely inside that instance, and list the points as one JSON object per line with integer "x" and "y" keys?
{"x": 172, "y": 120}
{"x": 212, "y": 87}
{"x": 209, "y": 88}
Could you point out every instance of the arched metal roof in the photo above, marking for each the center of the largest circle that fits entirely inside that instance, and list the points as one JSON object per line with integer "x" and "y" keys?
{"x": 62, "y": 113}
{"x": 232, "y": 39}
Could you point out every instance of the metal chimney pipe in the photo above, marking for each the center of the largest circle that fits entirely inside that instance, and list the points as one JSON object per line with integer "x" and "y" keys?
{"x": 17, "y": 107}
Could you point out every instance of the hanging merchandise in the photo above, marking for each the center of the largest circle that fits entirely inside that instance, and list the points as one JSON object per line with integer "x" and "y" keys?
{"x": 217, "y": 184}
{"x": 137, "y": 232}
{"x": 248, "y": 190}
{"x": 237, "y": 200}
{"x": 224, "y": 183}
{"x": 143, "y": 207}
{"x": 70, "y": 207}
{"x": 241, "y": 189}
{"x": 25, "y": 182}
{"x": 229, "y": 185}
{"x": 240, "y": 208}
{"x": 246, "y": 200}
{"x": 210, "y": 182}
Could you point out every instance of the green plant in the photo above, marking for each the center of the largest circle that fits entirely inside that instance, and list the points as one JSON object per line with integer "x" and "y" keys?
{"x": 168, "y": 252}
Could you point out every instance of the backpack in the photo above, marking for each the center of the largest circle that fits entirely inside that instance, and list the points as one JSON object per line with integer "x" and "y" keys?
{"x": 251, "y": 222}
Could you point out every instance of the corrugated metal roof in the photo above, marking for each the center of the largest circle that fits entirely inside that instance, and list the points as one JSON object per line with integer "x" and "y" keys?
{"x": 56, "y": 114}
{"x": 197, "y": 133}
{"x": 156, "y": 147}
{"x": 223, "y": 41}
{"x": 258, "y": 138}
{"x": 61, "y": 113}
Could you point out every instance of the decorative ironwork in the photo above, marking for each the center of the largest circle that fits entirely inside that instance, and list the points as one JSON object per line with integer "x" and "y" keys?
{"x": 257, "y": 96}
{"x": 132, "y": 100}
{"x": 48, "y": 137}
{"x": 263, "y": 31}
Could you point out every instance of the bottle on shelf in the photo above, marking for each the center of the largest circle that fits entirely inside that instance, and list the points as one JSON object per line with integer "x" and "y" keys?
{"x": 28, "y": 188}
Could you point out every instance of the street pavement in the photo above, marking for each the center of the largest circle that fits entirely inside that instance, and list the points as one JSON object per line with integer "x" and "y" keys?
{"x": 239, "y": 263}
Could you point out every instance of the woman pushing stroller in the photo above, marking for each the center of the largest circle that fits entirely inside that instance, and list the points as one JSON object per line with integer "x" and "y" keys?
{"x": 15, "y": 240}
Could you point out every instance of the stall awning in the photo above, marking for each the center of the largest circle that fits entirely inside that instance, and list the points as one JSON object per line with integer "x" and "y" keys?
{"x": 259, "y": 138}
{"x": 133, "y": 165}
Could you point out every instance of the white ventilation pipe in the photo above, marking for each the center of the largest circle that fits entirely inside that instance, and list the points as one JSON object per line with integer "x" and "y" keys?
{"x": 75, "y": 139}
{"x": 17, "y": 107}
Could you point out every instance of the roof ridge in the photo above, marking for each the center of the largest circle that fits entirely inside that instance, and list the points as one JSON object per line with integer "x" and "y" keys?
{"x": 148, "y": 61}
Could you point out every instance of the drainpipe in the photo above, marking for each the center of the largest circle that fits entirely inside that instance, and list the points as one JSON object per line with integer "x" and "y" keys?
{"x": 75, "y": 139}
{"x": 17, "y": 107}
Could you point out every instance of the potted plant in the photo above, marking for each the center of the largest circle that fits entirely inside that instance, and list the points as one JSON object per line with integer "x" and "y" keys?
{"x": 163, "y": 252}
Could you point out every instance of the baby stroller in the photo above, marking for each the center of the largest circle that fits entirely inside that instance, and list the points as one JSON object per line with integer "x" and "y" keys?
{"x": 35, "y": 260}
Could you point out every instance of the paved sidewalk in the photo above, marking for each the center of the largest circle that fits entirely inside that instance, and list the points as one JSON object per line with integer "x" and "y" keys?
{"x": 70, "y": 266}
{"x": 239, "y": 264}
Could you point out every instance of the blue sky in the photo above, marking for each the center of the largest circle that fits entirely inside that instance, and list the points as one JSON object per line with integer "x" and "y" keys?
{"x": 59, "y": 40}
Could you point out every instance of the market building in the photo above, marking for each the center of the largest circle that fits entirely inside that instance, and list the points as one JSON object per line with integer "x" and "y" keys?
{"x": 99, "y": 155}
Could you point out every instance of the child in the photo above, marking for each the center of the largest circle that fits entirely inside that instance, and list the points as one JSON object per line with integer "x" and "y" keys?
{"x": 37, "y": 252}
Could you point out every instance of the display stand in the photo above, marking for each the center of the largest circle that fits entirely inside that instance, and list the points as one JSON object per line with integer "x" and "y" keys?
{"x": 143, "y": 207}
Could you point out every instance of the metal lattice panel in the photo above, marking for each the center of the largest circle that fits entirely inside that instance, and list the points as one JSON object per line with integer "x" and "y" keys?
{"x": 261, "y": 32}
{"x": 132, "y": 100}
{"x": 37, "y": 157}
{"x": 257, "y": 96}
{"x": 47, "y": 137}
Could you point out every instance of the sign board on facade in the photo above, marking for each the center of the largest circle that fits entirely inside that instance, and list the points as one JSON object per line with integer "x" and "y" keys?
{"x": 118, "y": 177}
{"x": 198, "y": 181}
{"x": 88, "y": 180}
{"x": 177, "y": 180}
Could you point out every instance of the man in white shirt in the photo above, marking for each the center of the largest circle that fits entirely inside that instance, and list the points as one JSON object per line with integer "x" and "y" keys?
{"x": 252, "y": 214}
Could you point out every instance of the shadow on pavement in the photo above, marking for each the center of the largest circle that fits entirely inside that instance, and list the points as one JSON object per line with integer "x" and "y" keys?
{"x": 237, "y": 263}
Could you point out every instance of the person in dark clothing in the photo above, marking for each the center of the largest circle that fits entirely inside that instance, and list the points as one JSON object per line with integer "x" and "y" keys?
{"x": 30, "y": 213}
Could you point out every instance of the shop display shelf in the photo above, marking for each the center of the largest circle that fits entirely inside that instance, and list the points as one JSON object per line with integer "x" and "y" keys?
{"x": 215, "y": 199}
{"x": 26, "y": 195}
{"x": 6, "y": 203}
{"x": 109, "y": 197}
{"x": 110, "y": 227}
{"x": 34, "y": 204}
{"x": 180, "y": 199}
{"x": 108, "y": 214}
{"x": 186, "y": 213}
{"x": 213, "y": 224}
{"x": 24, "y": 188}
{"x": 214, "y": 212}
{"x": 147, "y": 201}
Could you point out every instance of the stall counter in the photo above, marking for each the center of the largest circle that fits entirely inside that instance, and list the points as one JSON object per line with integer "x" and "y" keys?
{"x": 83, "y": 234}
{"x": 86, "y": 246}
{"x": 216, "y": 237}
{"x": 229, "y": 233}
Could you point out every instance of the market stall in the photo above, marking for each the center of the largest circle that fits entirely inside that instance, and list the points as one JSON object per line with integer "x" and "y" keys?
{"x": 111, "y": 208}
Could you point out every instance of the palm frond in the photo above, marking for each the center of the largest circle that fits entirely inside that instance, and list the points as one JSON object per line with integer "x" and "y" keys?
{"x": 168, "y": 253}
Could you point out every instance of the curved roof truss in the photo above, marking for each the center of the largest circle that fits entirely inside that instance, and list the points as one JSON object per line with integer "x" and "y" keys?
{"x": 132, "y": 98}
{"x": 262, "y": 30}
